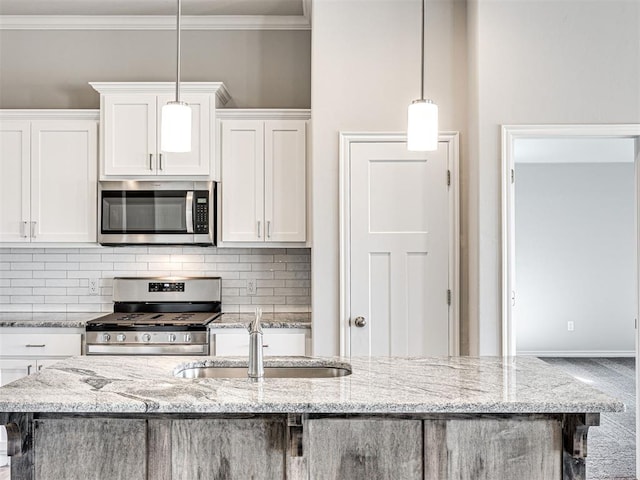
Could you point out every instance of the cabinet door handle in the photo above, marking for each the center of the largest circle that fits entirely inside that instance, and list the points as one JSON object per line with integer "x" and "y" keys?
{"x": 35, "y": 345}
{"x": 160, "y": 157}
{"x": 29, "y": 367}
{"x": 258, "y": 228}
{"x": 23, "y": 229}
{"x": 39, "y": 367}
{"x": 151, "y": 161}
{"x": 33, "y": 229}
{"x": 268, "y": 228}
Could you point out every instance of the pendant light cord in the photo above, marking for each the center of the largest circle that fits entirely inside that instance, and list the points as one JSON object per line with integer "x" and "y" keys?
{"x": 422, "y": 52}
{"x": 178, "y": 55}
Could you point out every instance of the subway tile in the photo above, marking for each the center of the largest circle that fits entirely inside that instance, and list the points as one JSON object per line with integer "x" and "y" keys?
{"x": 153, "y": 258}
{"x": 236, "y": 300}
{"x": 193, "y": 267}
{"x": 271, "y": 267}
{"x": 106, "y": 292}
{"x": 233, "y": 267}
{"x": 234, "y": 283}
{"x": 50, "y": 274}
{"x": 267, "y": 251}
{"x": 233, "y": 251}
{"x": 269, "y": 300}
{"x": 5, "y": 299}
{"x": 198, "y": 250}
{"x": 49, "y": 257}
{"x": 6, "y": 282}
{"x": 96, "y": 266}
{"x": 224, "y": 275}
{"x": 157, "y": 250}
{"x": 27, "y": 249}
{"x": 298, "y": 283}
{"x": 82, "y": 282}
{"x": 293, "y": 258}
{"x": 5, "y": 266}
{"x": 264, "y": 292}
{"x": 16, "y": 291}
{"x": 298, "y": 300}
{"x": 61, "y": 250}
{"x": 84, "y": 257}
{"x": 63, "y": 282}
{"x": 231, "y": 292}
{"x": 17, "y": 307}
{"x": 26, "y": 282}
{"x": 84, "y": 307}
{"x": 62, "y": 266}
{"x": 17, "y": 257}
{"x": 222, "y": 258}
{"x": 165, "y": 266}
{"x": 96, "y": 249}
{"x": 187, "y": 258}
{"x": 61, "y": 299}
{"x": 292, "y": 308}
{"x": 129, "y": 266}
{"x": 50, "y": 291}
{"x": 257, "y": 275}
{"x": 79, "y": 291}
{"x": 298, "y": 266}
{"x": 154, "y": 273}
{"x": 292, "y": 291}
{"x": 50, "y": 307}
{"x": 230, "y": 308}
{"x": 299, "y": 251}
{"x": 270, "y": 283}
{"x": 128, "y": 250}
{"x": 117, "y": 257}
{"x": 84, "y": 274}
{"x": 27, "y": 266}
{"x": 27, "y": 299}
{"x": 256, "y": 258}
{"x": 266, "y": 308}
{"x": 4, "y": 251}
{"x": 17, "y": 274}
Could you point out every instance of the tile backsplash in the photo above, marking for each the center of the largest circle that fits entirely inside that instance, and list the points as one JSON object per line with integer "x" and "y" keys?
{"x": 57, "y": 280}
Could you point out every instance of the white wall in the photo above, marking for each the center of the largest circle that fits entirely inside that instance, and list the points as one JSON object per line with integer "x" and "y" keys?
{"x": 575, "y": 252}
{"x": 365, "y": 71}
{"x": 51, "y": 69}
{"x": 531, "y": 62}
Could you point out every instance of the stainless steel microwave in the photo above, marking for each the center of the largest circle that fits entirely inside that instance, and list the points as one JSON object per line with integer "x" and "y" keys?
{"x": 157, "y": 213}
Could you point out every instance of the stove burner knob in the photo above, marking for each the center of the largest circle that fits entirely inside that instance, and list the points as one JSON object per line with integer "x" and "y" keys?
{"x": 172, "y": 337}
{"x": 121, "y": 337}
{"x": 106, "y": 337}
{"x": 146, "y": 337}
{"x": 187, "y": 337}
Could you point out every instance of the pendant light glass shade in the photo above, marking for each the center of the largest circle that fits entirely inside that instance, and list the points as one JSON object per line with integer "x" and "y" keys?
{"x": 422, "y": 126}
{"x": 175, "y": 133}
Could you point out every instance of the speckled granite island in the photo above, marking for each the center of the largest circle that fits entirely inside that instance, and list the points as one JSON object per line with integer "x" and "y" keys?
{"x": 405, "y": 418}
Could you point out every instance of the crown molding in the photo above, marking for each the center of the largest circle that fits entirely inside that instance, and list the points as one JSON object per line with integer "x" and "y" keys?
{"x": 264, "y": 113}
{"x": 222, "y": 94}
{"x": 49, "y": 114}
{"x": 156, "y": 22}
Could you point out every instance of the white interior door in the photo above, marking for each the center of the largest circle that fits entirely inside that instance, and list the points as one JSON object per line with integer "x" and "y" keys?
{"x": 399, "y": 243}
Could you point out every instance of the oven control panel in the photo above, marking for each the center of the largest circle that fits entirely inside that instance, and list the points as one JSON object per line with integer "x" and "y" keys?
{"x": 166, "y": 286}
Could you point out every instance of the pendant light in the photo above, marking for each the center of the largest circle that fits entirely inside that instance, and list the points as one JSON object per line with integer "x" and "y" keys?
{"x": 175, "y": 134}
{"x": 422, "y": 121}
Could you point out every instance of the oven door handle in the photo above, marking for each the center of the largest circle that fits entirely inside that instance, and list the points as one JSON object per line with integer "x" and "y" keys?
{"x": 188, "y": 211}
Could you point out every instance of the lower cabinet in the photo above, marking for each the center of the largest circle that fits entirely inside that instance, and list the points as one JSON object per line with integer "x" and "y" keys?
{"x": 235, "y": 342}
{"x": 96, "y": 448}
{"x": 295, "y": 447}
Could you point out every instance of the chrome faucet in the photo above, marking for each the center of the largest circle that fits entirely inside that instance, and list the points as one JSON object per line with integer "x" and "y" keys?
{"x": 256, "y": 365}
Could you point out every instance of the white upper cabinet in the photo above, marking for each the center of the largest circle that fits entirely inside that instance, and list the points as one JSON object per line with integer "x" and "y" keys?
{"x": 48, "y": 176}
{"x": 131, "y": 124}
{"x": 263, "y": 179}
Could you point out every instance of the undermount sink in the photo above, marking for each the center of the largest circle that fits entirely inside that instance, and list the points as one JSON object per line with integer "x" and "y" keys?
{"x": 269, "y": 372}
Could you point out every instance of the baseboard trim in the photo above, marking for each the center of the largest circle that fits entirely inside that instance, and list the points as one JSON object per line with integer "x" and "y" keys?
{"x": 578, "y": 353}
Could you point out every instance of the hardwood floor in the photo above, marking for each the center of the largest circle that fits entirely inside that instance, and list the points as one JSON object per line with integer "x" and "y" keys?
{"x": 612, "y": 445}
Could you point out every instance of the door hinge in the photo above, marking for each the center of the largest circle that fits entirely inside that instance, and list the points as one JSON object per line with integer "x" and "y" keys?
{"x": 513, "y": 176}
{"x": 448, "y": 178}
{"x": 449, "y": 297}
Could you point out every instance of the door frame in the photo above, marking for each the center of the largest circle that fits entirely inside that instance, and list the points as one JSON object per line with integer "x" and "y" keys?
{"x": 346, "y": 140}
{"x": 511, "y": 133}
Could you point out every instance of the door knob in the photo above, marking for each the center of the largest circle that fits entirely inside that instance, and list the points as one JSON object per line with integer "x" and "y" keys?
{"x": 360, "y": 322}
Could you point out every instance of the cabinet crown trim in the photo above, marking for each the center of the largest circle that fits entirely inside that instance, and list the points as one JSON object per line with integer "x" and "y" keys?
{"x": 264, "y": 113}
{"x": 49, "y": 114}
{"x": 219, "y": 88}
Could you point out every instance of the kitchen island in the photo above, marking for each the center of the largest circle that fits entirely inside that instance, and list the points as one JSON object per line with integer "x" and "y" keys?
{"x": 432, "y": 418}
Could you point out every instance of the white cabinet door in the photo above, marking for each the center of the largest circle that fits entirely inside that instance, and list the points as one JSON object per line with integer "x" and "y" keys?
{"x": 242, "y": 181}
{"x": 14, "y": 180}
{"x": 285, "y": 180}
{"x": 15, "y": 369}
{"x": 275, "y": 344}
{"x": 129, "y": 143}
{"x": 198, "y": 161}
{"x": 64, "y": 180}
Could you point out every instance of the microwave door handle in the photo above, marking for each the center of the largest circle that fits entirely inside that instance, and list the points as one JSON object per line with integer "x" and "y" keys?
{"x": 188, "y": 210}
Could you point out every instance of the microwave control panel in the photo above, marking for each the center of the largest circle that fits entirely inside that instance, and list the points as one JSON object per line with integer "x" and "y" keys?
{"x": 201, "y": 215}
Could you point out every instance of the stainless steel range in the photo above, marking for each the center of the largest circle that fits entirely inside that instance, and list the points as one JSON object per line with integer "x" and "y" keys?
{"x": 157, "y": 316}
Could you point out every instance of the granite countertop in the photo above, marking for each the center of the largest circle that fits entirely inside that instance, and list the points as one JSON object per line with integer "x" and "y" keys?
{"x": 269, "y": 320}
{"x": 139, "y": 384}
{"x": 78, "y": 320}
{"x": 47, "y": 319}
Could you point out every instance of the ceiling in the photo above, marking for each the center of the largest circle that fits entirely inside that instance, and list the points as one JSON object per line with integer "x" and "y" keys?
{"x": 151, "y": 7}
